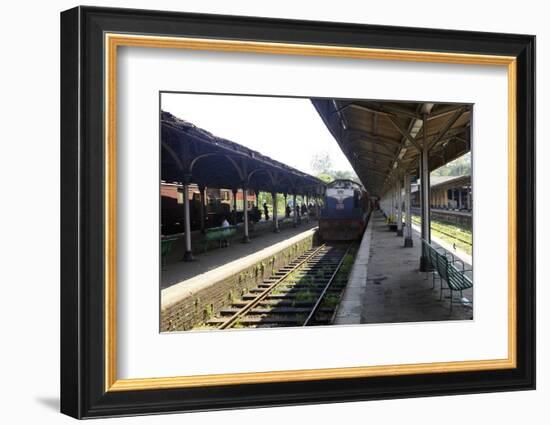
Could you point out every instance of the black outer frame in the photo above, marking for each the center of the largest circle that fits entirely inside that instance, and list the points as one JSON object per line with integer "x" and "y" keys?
{"x": 82, "y": 207}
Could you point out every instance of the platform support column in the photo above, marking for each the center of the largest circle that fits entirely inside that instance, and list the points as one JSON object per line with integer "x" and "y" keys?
{"x": 275, "y": 218}
{"x": 246, "y": 237}
{"x": 188, "y": 255}
{"x": 459, "y": 198}
{"x": 306, "y": 200}
{"x": 202, "y": 193}
{"x": 318, "y": 208}
{"x": 469, "y": 189}
{"x": 408, "y": 218}
{"x": 425, "y": 190}
{"x": 399, "y": 209}
{"x": 392, "y": 203}
{"x": 234, "y": 213}
{"x": 294, "y": 213}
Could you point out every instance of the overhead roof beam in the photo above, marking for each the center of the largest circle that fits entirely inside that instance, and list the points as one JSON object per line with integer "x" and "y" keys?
{"x": 452, "y": 120}
{"x": 363, "y": 143}
{"x": 362, "y": 149}
{"x": 374, "y": 137}
{"x": 380, "y": 173}
{"x": 414, "y": 127}
{"x": 396, "y": 110}
{"x": 451, "y": 133}
{"x": 444, "y": 111}
{"x": 405, "y": 133}
{"x": 387, "y": 110}
{"x": 368, "y": 109}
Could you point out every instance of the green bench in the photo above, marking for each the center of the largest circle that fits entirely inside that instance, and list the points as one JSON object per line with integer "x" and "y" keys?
{"x": 166, "y": 243}
{"x": 218, "y": 234}
{"x": 448, "y": 268}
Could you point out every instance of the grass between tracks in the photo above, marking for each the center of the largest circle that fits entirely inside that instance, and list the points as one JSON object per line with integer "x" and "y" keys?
{"x": 459, "y": 237}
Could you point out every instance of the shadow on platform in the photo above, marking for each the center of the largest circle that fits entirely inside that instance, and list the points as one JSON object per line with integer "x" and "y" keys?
{"x": 177, "y": 271}
{"x": 397, "y": 291}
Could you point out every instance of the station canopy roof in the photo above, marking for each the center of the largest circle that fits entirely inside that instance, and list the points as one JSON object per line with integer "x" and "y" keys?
{"x": 201, "y": 157}
{"x": 449, "y": 181}
{"x": 446, "y": 182}
{"x": 383, "y": 139}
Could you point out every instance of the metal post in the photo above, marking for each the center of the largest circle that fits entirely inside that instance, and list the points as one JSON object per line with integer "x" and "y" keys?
{"x": 318, "y": 208}
{"x": 246, "y": 239}
{"x": 234, "y": 206}
{"x": 470, "y": 198}
{"x": 395, "y": 204}
{"x": 188, "y": 255}
{"x": 275, "y": 218}
{"x": 408, "y": 218}
{"x": 307, "y": 207}
{"x": 399, "y": 209}
{"x": 459, "y": 198}
{"x": 202, "y": 193}
{"x": 294, "y": 215}
{"x": 392, "y": 204}
{"x": 425, "y": 188}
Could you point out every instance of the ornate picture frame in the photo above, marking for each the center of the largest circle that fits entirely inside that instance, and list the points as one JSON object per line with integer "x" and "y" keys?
{"x": 90, "y": 41}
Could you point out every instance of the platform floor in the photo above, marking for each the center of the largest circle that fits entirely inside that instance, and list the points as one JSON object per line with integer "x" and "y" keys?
{"x": 395, "y": 290}
{"x": 177, "y": 271}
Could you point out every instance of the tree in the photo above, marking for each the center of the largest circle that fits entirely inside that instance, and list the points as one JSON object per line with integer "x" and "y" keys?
{"x": 461, "y": 166}
{"x": 321, "y": 163}
{"x": 322, "y": 166}
{"x": 327, "y": 178}
{"x": 345, "y": 175}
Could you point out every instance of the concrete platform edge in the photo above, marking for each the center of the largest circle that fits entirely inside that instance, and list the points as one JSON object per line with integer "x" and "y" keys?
{"x": 181, "y": 290}
{"x": 349, "y": 310}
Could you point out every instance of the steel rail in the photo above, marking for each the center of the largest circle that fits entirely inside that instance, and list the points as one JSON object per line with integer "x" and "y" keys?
{"x": 253, "y": 303}
{"x": 325, "y": 289}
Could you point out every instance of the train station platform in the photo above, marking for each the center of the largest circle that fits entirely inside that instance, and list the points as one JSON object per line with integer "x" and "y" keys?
{"x": 176, "y": 271}
{"x": 193, "y": 292}
{"x": 386, "y": 285}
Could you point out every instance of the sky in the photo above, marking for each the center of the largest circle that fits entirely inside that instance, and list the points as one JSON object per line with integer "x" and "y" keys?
{"x": 286, "y": 129}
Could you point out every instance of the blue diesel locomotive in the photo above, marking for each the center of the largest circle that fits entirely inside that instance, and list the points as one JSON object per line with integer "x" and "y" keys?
{"x": 345, "y": 211}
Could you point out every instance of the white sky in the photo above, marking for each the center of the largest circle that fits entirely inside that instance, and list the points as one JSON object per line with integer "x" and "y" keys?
{"x": 286, "y": 129}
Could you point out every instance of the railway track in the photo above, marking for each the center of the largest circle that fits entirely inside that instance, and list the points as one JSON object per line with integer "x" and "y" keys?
{"x": 304, "y": 293}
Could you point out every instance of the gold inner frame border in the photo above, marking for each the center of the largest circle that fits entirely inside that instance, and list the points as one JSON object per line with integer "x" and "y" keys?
{"x": 111, "y": 43}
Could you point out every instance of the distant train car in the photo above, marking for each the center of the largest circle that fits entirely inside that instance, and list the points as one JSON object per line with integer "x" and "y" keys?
{"x": 345, "y": 211}
{"x": 219, "y": 205}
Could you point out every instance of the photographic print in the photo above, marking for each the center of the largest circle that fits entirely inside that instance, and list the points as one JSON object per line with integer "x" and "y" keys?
{"x": 292, "y": 211}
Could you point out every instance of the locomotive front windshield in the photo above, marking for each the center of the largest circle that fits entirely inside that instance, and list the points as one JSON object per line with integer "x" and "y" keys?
{"x": 344, "y": 184}
{"x": 342, "y": 199}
